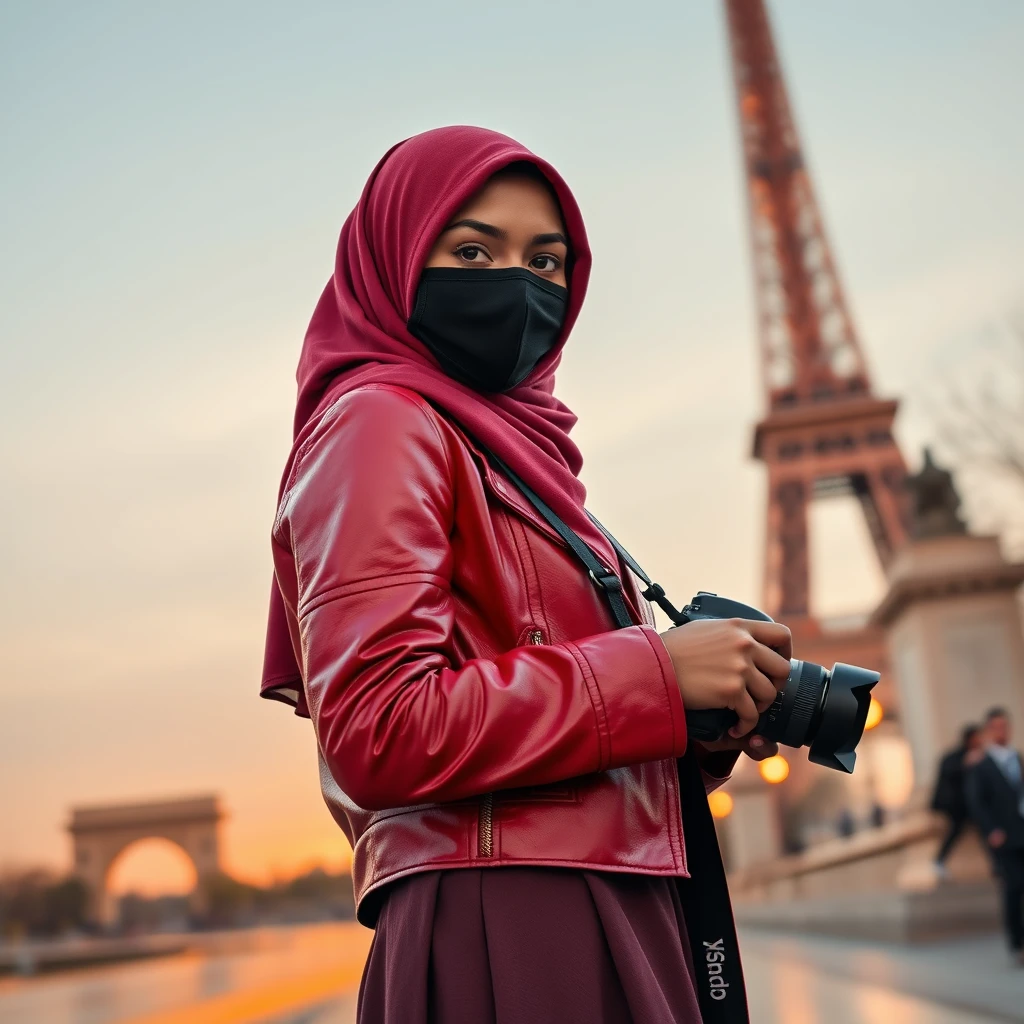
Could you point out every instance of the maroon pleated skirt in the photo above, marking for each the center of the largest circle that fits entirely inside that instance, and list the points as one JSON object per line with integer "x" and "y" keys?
{"x": 529, "y": 946}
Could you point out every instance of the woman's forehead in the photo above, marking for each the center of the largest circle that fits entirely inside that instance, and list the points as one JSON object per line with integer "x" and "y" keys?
{"x": 513, "y": 197}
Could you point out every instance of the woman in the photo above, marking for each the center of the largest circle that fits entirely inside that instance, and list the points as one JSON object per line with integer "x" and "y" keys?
{"x": 474, "y": 707}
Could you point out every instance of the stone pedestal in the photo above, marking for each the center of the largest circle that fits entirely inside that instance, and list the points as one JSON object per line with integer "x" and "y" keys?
{"x": 910, "y": 917}
{"x": 956, "y": 649}
{"x": 954, "y": 628}
{"x": 877, "y": 884}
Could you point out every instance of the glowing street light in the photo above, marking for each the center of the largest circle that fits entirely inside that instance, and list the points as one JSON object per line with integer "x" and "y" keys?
{"x": 720, "y": 803}
{"x": 774, "y": 769}
{"x": 875, "y": 714}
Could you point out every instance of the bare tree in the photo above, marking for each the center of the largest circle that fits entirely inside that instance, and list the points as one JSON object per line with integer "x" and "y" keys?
{"x": 980, "y": 421}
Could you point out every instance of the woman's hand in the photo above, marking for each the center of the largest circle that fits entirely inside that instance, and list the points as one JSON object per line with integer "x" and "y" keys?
{"x": 730, "y": 663}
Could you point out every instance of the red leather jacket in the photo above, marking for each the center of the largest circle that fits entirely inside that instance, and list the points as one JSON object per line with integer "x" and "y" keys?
{"x": 472, "y": 704}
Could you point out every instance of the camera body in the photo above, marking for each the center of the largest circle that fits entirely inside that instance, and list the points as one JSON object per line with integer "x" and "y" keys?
{"x": 824, "y": 710}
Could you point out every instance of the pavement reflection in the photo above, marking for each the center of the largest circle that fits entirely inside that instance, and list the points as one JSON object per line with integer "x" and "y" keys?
{"x": 784, "y": 990}
{"x": 310, "y": 975}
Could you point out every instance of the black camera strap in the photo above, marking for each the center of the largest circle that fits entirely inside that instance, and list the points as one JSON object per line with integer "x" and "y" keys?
{"x": 600, "y": 574}
{"x": 704, "y": 896}
{"x": 654, "y": 593}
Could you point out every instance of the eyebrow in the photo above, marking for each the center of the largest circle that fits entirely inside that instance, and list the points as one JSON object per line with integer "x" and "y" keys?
{"x": 479, "y": 225}
{"x": 550, "y": 238}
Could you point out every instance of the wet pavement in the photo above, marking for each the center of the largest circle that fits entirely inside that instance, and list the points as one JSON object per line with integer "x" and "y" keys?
{"x": 827, "y": 981}
{"x": 802, "y": 980}
{"x": 310, "y": 975}
{"x": 974, "y": 976}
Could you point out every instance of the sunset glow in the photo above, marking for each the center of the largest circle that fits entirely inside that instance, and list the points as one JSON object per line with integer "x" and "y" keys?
{"x": 147, "y": 435}
{"x": 152, "y": 867}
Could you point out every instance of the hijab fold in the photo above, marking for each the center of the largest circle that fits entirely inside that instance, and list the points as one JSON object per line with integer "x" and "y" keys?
{"x": 358, "y": 335}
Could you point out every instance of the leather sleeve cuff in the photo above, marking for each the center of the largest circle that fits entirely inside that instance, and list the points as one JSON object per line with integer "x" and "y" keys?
{"x": 636, "y": 697}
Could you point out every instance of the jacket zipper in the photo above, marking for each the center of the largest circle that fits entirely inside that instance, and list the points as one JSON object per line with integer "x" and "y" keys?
{"x": 485, "y": 831}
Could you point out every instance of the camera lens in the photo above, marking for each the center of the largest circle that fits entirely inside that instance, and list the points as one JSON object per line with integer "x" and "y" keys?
{"x": 789, "y": 719}
{"x": 823, "y": 710}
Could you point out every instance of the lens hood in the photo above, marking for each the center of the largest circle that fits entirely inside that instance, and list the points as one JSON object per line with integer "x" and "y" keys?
{"x": 844, "y": 712}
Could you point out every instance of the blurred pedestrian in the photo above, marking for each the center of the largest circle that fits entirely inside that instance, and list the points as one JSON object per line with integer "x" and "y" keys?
{"x": 950, "y": 796}
{"x": 995, "y": 795}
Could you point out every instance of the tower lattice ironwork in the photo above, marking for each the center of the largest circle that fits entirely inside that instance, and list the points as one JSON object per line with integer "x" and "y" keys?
{"x": 824, "y": 430}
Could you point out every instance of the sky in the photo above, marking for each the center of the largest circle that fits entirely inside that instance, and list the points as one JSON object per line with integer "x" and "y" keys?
{"x": 174, "y": 177}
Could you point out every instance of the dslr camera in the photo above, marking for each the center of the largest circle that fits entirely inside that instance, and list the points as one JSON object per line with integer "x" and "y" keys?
{"x": 817, "y": 708}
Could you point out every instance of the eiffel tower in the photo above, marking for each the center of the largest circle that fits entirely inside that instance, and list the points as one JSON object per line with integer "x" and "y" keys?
{"x": 825, "y": 431}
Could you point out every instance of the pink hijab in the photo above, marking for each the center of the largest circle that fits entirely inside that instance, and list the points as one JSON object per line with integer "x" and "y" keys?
{"x": 358, "y": 333}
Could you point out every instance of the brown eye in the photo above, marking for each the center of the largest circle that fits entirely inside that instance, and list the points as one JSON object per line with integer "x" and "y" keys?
{"x": 545, "y": 264}
{"x": 472, "y": 254}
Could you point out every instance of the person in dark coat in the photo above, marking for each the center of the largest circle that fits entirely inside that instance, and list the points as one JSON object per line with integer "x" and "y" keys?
{"x": 950, "y": 797}
{"x": 995, "y": 796}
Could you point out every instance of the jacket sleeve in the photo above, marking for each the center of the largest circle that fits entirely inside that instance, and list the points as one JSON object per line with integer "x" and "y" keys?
{"x": 367, "y": 516}
{"x": 978, "y": 794}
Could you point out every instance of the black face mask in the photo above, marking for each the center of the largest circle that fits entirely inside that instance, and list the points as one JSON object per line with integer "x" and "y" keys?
{"x": 487, "y": 328}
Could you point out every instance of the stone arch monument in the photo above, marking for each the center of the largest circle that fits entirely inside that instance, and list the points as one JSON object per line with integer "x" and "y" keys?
{"x": 100, "y": 834}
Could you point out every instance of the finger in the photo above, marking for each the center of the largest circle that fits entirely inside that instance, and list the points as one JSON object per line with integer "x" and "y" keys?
{"x": 773, "y": 665}
{"x": 758, "y": 748}
{"x": 746, "y": 711}
{"x": 760, "y": 687}
{"x": 774, "y": 635}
